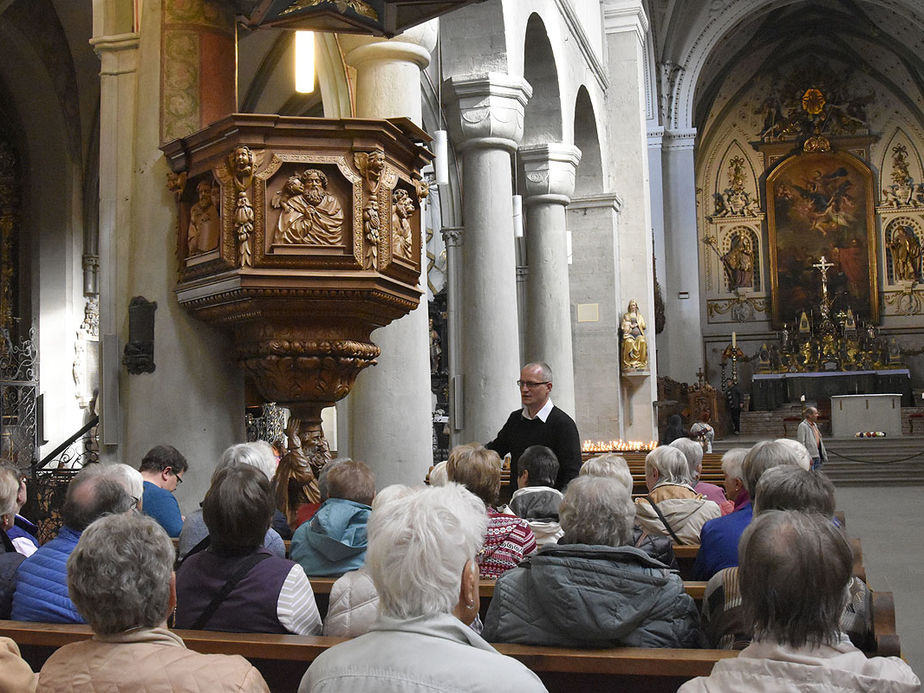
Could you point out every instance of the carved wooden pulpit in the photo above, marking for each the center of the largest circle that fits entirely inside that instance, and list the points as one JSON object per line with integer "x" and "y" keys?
{"x": 301, "y": 235}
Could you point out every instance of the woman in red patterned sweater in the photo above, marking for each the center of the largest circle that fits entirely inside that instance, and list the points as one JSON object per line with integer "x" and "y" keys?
{"x": 509, "y": 538}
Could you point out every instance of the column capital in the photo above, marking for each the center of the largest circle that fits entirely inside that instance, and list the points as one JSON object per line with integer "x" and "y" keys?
{"x": 452, "y": 235}
{"x": 625, "y": 15}
{"x": 490, "y": 108}
{"x": 675, "y": 140}
{"x": 117, "y": 53}
{"x": 550, "y": 170}
{"x": 414, "y": 46}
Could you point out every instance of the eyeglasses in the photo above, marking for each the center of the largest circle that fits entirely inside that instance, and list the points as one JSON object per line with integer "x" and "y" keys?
{"x": 530, "y": 384}
{"x": 179, "y": 479}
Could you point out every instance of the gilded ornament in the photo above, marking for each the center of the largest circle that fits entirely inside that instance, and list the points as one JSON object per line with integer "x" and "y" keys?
{"x": 361, "y": 8}
{"x": 813, "y": 101}
{"x": 634, "y": 349}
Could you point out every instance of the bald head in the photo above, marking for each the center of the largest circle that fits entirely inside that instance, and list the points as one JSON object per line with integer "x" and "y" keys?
{"x": 92, "y": 494}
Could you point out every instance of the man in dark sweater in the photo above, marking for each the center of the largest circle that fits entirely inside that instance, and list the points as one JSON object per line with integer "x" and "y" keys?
{"x": 540, "y": 422}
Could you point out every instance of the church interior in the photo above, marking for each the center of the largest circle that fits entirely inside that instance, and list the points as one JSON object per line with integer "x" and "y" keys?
{"x": 707, "y": 209}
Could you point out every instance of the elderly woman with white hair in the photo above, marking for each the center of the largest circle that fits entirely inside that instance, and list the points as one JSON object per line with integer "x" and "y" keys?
{"x": 195, "y": 535}
{"x": 120, "y": 577}
{"x": 423, "y": 559}
{"x": 672, "y": 507}
{"x": 10, "y": 558}
{"x": 592, "y": 589}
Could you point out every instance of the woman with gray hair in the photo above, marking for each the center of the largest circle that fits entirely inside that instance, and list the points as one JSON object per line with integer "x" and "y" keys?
{"x": 10, "y": 558}
{"x": 794, "y": 572}
{"x": 120, "y": 577}
{"x": 423, "y": 559}
{"x": 672, "y": 507}
{"x": 195, "y": 535}
{"x": 592, "y": 589}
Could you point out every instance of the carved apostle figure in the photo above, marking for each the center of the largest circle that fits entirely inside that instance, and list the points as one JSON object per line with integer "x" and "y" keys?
{"x": 402, "y": 209}
{"x": 309, "y": 215}
{"x": 296, "y": 476}
{"x": 204, "y": 223}
{"x": 906, "y": 253}
{"x": 739, "y": 264}
{"x": 634, "y": 344}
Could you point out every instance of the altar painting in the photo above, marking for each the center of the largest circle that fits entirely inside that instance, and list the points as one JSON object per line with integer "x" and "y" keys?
{"x": 821, "y": 204}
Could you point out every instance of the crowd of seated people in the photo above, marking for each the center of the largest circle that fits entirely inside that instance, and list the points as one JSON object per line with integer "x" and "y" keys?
{"x": 586, "y": 569}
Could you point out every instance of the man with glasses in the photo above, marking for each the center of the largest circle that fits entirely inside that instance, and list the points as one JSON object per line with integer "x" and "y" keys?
{"x": 162, "y": 469}
{"x": 540, "y": 422}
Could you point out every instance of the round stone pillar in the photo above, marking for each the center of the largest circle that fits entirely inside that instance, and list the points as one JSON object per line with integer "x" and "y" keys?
{"x": 550, "y": 170}
{"x": 390, "y": 412}
{"x": 489, "y": 125}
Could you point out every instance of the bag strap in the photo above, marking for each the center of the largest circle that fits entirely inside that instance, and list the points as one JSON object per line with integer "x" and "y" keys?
{"x": 201, "y": 546}
{"x": 663, "y": 519}
{"x": 243, "y": 568}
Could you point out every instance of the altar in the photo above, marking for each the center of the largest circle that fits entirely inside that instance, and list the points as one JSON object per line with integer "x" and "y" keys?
{"x": 770, "y": 391}
{"x": 851, "y": 414}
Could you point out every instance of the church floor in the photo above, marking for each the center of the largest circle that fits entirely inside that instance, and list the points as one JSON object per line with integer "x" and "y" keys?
{"x": 889, "y": 520}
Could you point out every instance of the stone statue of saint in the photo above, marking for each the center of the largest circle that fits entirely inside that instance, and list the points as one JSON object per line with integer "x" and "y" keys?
{"x": 204, "y": 222}
{"x": 402, "y": 209}
{"x": 308, "y": 215}
{"x": 634, "y": 344}
{"x": 739, "y": 264}
{"x": 906, "y": 254}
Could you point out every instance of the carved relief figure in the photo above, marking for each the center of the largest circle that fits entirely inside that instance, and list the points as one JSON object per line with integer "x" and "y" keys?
{"x": 204, "y": 221}
{"x": 371, "y": 165}
{"x": 308, "y": 213}
{"x": 906, "y": 253}
{"x": 634, "y": 344}
{"x": 241, "y": 165}
{"x": 739, "y": 264}
{"x": 402, "y": 209}
{"x": 296, "y": 476}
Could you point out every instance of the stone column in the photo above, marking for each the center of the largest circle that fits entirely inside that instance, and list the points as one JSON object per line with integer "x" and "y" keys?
{"x": 682, "y": 339}
{"x": 489, "y": 124}
{"x": 391, "y": 426}
{"x": 550, "y": 171}
{"x": 626, "y": 25}
{"x": 118, "y": 54}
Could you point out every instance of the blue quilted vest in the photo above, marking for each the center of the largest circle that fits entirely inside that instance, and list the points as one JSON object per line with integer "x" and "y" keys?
{"x": 41, "y": 583}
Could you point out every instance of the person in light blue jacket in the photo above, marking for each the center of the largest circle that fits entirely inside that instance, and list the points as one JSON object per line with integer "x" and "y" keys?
{"x": 334, "y": 541}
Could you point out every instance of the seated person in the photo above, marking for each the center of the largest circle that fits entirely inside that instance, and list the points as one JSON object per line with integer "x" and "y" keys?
{"x": 592, "y": 589}
{"x": 509, "y": 538}
{"x": 121, "y": 580}
{"x": 22, "y": 532}
{"x": 693, "y": 451}
{"x": 732, "y": 470}
{"x": 237, "y": 585}
{"x": 780, "y": 488}
{"x": 423, "y": 548}
{"x": 800, "y": 454}
{"x": 719, "y": 538}
{"x": 536, "y": 499}
{"x": 795, "y": 568}
{"x": 334, "y": 541}
{"x": 131, "y": 481}
{"x": 615, "y": 466}
{"x": 672, "y": 508}
{"x": 9, "y": 557}
{"x": 308, "y": 510}
{"x": 41, "y": 581}
{"x": 163, "y": 468}
{"x": 195, "y": 535}
{"x": 15, "y": 673}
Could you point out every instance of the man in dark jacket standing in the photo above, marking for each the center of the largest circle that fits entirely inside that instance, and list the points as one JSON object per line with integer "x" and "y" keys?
{"x": 540, "y": 422}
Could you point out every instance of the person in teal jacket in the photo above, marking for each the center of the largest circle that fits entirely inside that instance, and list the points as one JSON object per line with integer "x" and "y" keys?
{"x": 334, "y": 541}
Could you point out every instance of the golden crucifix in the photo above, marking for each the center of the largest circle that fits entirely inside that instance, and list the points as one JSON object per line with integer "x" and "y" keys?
{"x": 823, "y": 266}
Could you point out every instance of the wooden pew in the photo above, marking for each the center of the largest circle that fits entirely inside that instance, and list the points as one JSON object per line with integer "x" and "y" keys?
{"x": 282, "y": 659}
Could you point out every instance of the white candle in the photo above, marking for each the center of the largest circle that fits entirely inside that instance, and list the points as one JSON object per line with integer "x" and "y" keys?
{"x": 802, "y": 398}
{"x": 734, "y": 340}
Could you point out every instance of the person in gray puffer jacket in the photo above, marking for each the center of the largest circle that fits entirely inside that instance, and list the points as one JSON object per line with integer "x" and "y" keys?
{"x": 592, "y": 590}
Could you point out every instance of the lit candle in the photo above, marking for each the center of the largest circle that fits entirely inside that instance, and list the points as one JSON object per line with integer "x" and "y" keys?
{"x": 734, "y": 340}
{"x": 802, "y": 398}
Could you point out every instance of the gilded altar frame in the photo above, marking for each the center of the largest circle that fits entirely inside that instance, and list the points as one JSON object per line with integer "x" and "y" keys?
{"x": 822, "y": 204}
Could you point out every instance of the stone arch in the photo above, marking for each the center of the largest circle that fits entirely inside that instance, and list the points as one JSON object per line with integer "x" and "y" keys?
{"x": 543, "y": 117}
{"x": 589, "y": 178}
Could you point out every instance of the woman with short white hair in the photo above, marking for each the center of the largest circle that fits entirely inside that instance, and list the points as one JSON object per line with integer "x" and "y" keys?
{"x": 672, "y": 507}
{"x": 120, "y": 578}
{"x": 423, "y": 560}
{"x": 592, "y": 589}
{"x": 10, "y": 558}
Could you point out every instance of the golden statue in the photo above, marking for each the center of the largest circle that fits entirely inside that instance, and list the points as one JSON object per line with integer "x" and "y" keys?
{"x": 634, "y": 344}
{"x": 906, "y": 253}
